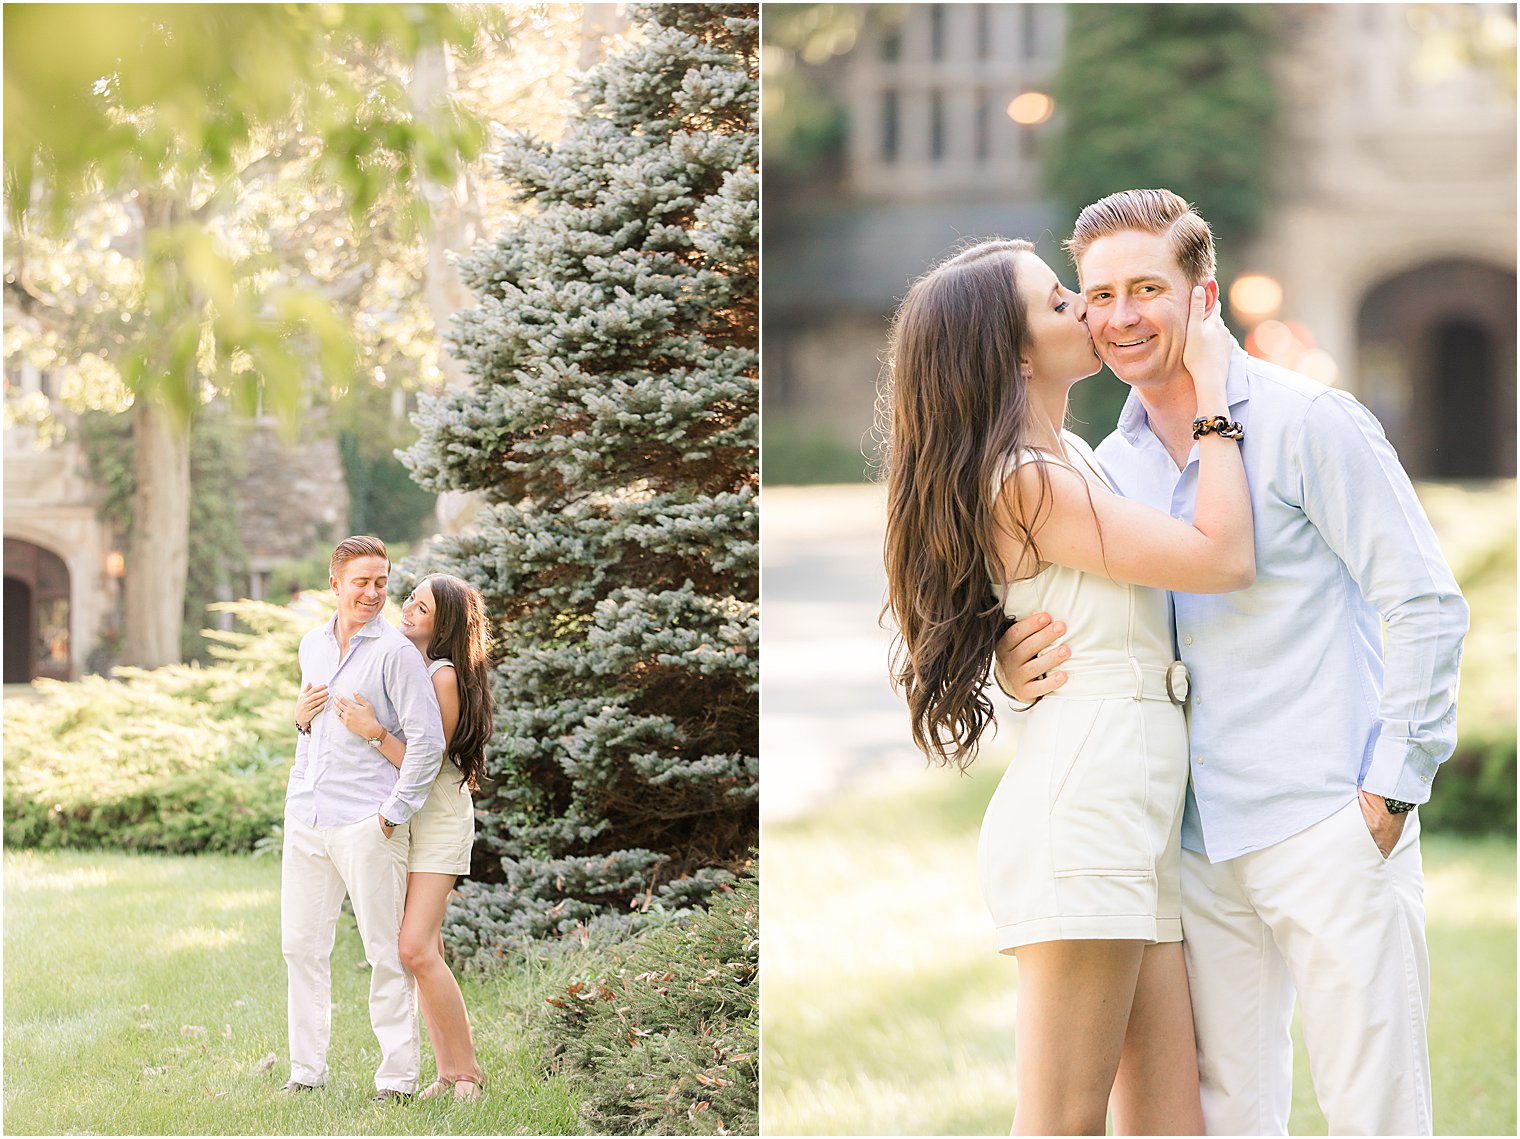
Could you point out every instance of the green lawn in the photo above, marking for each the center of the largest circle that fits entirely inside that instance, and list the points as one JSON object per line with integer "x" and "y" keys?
{"x": 142, "y": 994}
{"x": 886, "y": 1011}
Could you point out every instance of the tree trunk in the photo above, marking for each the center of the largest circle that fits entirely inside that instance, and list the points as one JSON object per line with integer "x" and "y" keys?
{"x": 454, "y": 209}
{"x": 453, "y": 226}
{"x": 158, "y": 557}
{"x": 158, "y": 551}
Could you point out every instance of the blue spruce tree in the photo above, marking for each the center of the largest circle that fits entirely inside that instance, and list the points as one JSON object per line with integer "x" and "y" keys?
{"x": 610, "y": 431}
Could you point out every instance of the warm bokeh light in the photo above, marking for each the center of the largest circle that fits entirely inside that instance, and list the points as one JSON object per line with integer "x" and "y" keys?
{"x": 116, "y": 564}
{"x": 1255, "y": 295}
{"x": 1271, "y": 340}
{"x": 1031, "y": 108}
{"x": 1291, "y": 345}
{"x": 1319, "y": 365}
{"x": 1498, "y": 31}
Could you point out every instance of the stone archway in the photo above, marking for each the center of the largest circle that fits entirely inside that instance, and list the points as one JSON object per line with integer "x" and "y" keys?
{"x": 1464, "y": 348}
{"x": 38, "y": 602}
{"x": 1436, "y": 353}
{"x": 19, "y": 614}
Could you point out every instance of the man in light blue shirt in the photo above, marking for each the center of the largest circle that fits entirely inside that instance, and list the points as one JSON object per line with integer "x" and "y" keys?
{"x": 346, "y": 820}
{"x": 1312, "y": 737}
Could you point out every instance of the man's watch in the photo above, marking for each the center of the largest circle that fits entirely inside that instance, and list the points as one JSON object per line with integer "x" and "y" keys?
{"x": 1397, "y": 806}
{"x": 385, "y": 822}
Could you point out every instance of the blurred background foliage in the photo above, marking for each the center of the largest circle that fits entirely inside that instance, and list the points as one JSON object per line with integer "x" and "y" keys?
{"x": 1208, "y": 65}
{"x": 805, "y": 126}
{"x": 186, "y": 126}
{"x": 250, "y": 207}
{"x": 383, "y": 499}
{"x": 174, "y": 106}
{"x": 122, "y": 93}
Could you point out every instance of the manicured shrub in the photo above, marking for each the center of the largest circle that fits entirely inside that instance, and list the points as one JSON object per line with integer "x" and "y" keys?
{"x": 180, "y": 759}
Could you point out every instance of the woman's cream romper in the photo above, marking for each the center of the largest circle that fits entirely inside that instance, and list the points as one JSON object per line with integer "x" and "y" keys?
{"x": 1082, "y": 837}
{"x": 443, "y": 832}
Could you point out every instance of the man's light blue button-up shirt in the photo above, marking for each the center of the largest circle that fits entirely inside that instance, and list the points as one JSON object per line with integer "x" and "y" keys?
{"x": 1296, "y": 699}
{"x": 339, "y": 778}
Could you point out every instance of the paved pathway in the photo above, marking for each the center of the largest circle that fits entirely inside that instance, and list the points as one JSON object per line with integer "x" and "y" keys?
{"x": 829, "y": 718}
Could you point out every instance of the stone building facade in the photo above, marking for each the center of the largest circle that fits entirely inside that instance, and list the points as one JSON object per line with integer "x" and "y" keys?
{"x": 1390, "y": 230}
{"x": 62, "y": 570}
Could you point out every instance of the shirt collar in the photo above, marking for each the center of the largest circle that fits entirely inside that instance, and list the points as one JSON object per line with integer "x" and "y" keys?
{"x": 1132, "y": 418}
{"x": 374, "y": 627}
{"x": 1134, "y": 424}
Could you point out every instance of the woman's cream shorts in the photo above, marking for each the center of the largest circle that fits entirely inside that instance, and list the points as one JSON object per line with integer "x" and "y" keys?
{"x": 443, "y": 832}
{"x": 1082, "y": 838}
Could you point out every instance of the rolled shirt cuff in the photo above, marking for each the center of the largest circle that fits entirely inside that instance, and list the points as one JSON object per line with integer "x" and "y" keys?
{"x": 1401, "y": 769}
{"x": 396, "y": 811}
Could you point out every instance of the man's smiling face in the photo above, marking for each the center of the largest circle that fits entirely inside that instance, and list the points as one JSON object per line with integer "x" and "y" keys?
{"x": 360, "y": 586}
{"x": 1137, "y": 306}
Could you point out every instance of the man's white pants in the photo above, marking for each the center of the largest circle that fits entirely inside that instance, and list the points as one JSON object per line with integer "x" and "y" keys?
{"x": 1322, "y": 913}
{"x": 320, "y": 866}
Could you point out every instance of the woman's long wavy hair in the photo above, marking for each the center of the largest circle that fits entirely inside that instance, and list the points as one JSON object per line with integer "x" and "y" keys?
{"x": 955, "y": 408}
{"x": 462, "y": 635}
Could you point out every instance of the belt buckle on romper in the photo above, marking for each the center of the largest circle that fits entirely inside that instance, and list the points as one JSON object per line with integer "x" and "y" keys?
{"x": 1177, "y": 682}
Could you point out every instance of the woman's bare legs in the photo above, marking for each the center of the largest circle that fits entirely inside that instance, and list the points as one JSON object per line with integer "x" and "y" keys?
{"x": 448, "y": 1025}
{"x": 1156, "y": 1090}
{"x": 1073, "y": 1013}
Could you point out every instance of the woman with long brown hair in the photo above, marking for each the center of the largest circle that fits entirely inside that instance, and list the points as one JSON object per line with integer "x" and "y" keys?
{"x": 445, "y": 620}
{"x": 992, "y": 510}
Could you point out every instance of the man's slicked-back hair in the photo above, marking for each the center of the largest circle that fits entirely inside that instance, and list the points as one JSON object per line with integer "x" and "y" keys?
{"x": 1151, "y": 211}
{"x": 358, "y": 546}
